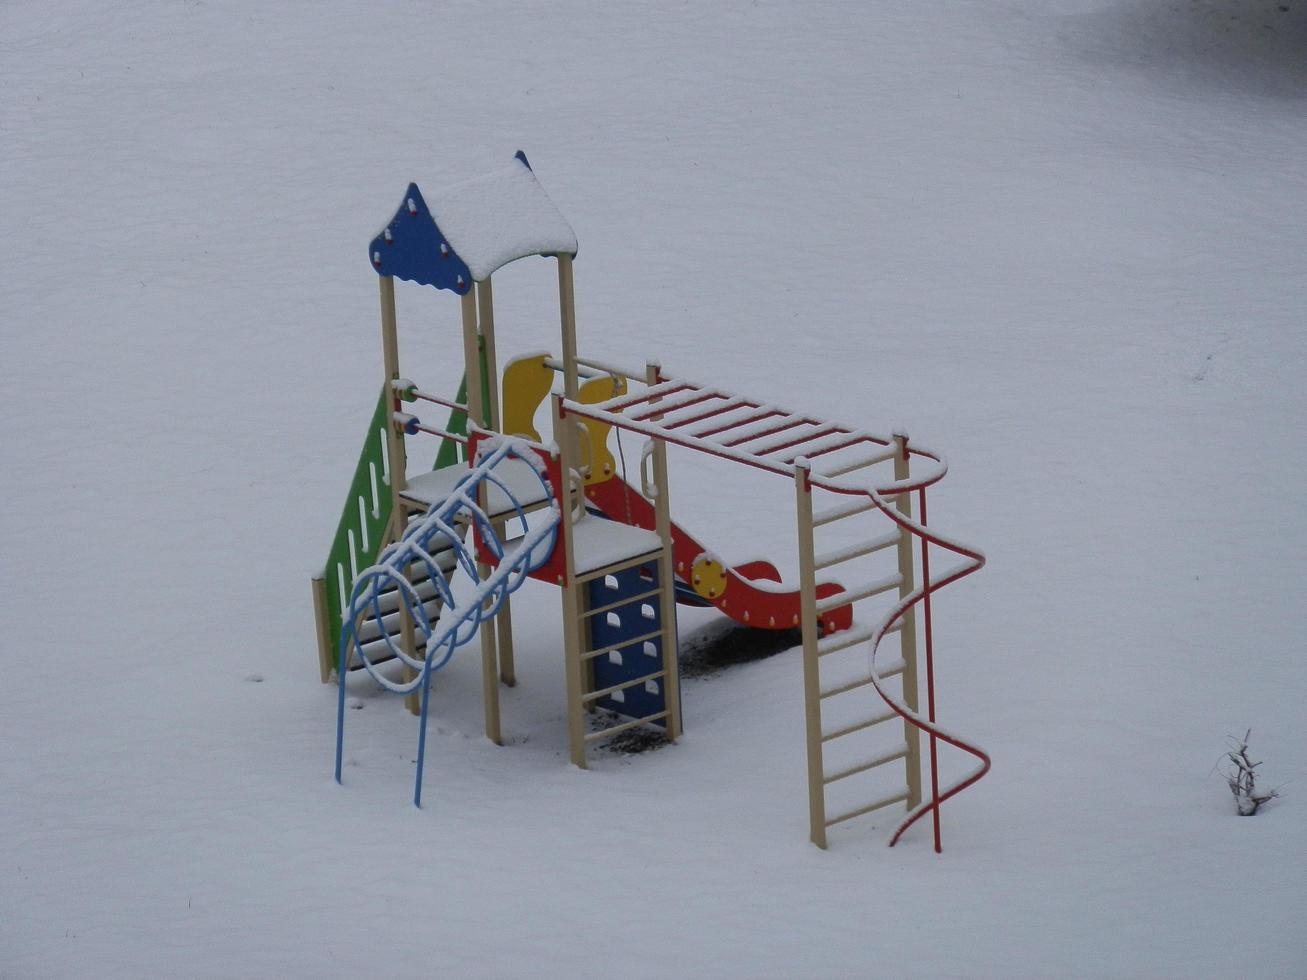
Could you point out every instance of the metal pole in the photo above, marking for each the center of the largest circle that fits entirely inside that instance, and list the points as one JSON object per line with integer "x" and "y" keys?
{"x": 930, "y": 668}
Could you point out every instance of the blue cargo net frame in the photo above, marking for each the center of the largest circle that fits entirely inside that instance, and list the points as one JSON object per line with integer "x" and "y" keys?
{"x": 458, "y": 622}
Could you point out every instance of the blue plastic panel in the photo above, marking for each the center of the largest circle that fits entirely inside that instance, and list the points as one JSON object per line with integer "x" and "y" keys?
{"x": 615, "y": 629}
{"x": 412, "y": 247}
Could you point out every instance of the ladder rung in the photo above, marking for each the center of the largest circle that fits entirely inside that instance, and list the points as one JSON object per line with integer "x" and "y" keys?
{"x": 858, "y": 464}
{"x": 695, "y": 404}
{"x": 834, "y": 442}
{"x": 697, "y": 411}
{"x": 892, "y": 668}
{"x": 682, "y": 399}
{"x": 629, "y": 600}
{"x": 858, "y": 726}
{"x": 793, "y": 438}
{"x": 656, "y": 716}
{"x": 596, "y": 695}
{"x": 722, "y": 421}
{"x": 777, "y": 421}
{"x": 870, "y": 546}
{"x": 653, "y": 391}
{"x": 844, "y": 639}
{"x": 591, "y": 654}
{"x": 840, "y": 511}
{"x": 898, "y": 752}
{"x": 884, "y": 801}
{"x": 861, "y": 592}
{"x": 851, "y": 637}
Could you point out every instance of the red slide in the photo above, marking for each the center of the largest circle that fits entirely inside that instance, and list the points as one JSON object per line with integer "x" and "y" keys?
{"x": 748, "y": 593}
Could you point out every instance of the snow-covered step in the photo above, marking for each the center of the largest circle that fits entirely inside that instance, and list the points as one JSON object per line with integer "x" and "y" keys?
{"x": 734, "y": 414}
{"x": 865, "y": 591}
{"x": 841, "y": 438}
{"x": 643, "y": 638}
{"x": 858, "y": 726}
{"x": 624, "y": 726}
{"x": 851, "y": 637}
{"x": 879, "y": 804}
{"x": 858, "y": 549}
{"x": 890, "y": 669}
{"x": 390, "y": 622}
{"x": 644, "y": 395}
{"x": 681, "y": 399}
{"x": 708, "y": 405}
{"x": 899, "y": 751}
{"x": 606, "y": 691}
{"x": 792, "y": 438}
{"x": 858, "y": 505}
{"x": 858, "y": 463}
{"x": 768, "y": 421}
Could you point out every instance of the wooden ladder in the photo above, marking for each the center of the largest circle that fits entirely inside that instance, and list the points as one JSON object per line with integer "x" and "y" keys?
{"x": 859, "y": 730}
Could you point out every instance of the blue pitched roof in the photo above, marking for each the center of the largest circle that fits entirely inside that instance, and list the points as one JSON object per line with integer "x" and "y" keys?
{"x": 471, "y": 229}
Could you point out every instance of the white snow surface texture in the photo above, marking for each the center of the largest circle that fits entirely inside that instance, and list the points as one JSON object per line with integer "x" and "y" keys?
{"x": 1061, "y": 241}
{"x": 501, "y": 216}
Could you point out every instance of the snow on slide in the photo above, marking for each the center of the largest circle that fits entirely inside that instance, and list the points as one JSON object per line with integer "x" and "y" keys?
{"x": 751, "y": 593}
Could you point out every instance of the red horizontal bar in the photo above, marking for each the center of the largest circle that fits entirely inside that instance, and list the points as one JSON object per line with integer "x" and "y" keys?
{"x": 659, "y": 410}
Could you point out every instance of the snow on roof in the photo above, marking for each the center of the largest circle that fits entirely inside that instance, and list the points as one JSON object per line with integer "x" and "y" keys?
{"x": 464, "y": 232}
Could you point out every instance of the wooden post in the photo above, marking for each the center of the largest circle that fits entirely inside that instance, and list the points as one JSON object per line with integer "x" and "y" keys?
{"x": 504, "y": 619}
{"x": 326, "y": 656}
{"x": 398, "y": 457}
{"x": 908, "y": 633}
{"x": 567, "y": 314}
{"x": 472, "y": 360}
{"x": 811, "y": 672}
{"x": 476, "y": 413}
{"x": 573, "y": 631}
{"x": 666, "y": 580}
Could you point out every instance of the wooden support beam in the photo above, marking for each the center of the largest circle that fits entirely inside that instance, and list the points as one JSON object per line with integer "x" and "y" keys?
{"x": 567, "y": 316}
{"x": 574, "y": 628}
{"x": 908, "y": 630}
{"x": 811, "y": 671}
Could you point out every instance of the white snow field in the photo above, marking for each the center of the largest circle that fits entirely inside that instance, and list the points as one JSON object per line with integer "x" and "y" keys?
{"x": 1060, "y": 241}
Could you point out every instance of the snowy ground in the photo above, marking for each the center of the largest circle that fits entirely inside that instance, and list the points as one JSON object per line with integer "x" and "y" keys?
{"x": 1061, "y": 241}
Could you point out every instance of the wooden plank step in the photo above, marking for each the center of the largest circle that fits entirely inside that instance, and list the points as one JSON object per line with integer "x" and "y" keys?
{"x": 870, "y": 546}
{"x": 857, "y": 726}
{"x": 652, "y": 593}
{"x": 859, "y": 505}
{"x": 884, "y": 801}
{"x": 591, "y": 654}
{"x": 851, "y": 637}
{"x": 605, "y": 733}
{"x": 857, "y": 464}
{"x": 890, "y": 669}
{"x": 604, "y": 692}
{"x": 898, "y": 752}
{"x": 369, "y": 631}
{"x": 864, "y": 591}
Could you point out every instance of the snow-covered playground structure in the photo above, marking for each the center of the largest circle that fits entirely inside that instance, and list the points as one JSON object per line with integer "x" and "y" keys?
{"x": 424, "y": 563}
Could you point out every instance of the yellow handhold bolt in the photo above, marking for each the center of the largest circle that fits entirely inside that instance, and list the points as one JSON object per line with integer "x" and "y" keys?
{"x": 708, "y": 577}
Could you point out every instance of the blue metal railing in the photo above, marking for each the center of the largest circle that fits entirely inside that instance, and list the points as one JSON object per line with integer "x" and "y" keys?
{"x": 459, "y": 619}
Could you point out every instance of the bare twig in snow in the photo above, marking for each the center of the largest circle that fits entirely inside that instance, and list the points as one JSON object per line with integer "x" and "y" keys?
{"x": 1240, "y": 775}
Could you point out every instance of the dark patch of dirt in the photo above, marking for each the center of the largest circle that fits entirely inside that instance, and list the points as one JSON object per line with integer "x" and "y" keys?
{"x": 633, "y": 741}
{"x": 721, "y": 645}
